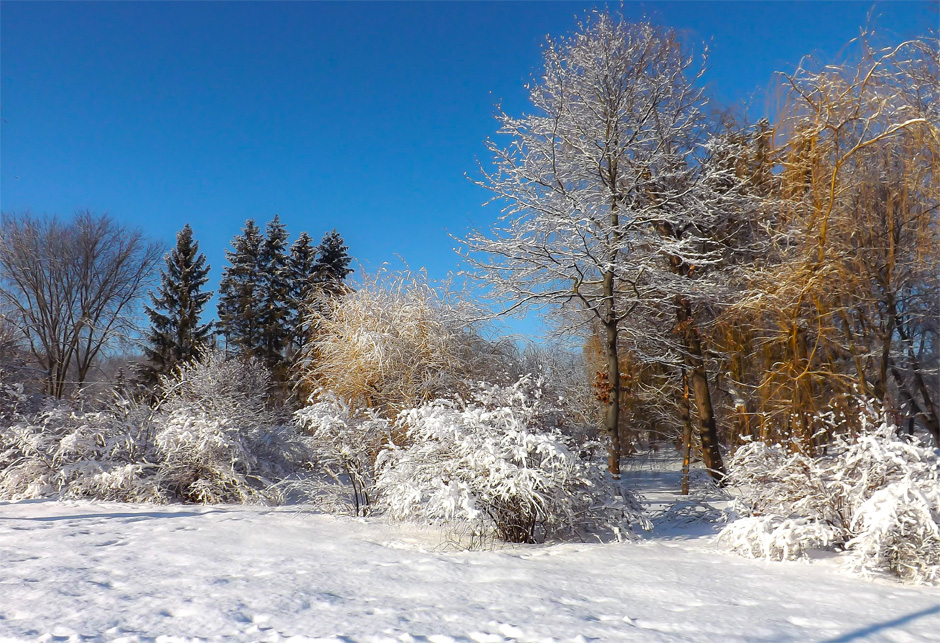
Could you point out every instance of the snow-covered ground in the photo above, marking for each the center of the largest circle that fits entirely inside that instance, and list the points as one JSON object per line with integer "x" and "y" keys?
{"x": 94, "y": 571}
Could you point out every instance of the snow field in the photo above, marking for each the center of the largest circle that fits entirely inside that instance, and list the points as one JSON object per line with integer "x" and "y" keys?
{"x": 95, "y": 571}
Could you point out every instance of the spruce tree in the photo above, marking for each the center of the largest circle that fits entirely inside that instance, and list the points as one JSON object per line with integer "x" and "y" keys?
{"x": 274, "y": 294}
{"x": 333, "y": 261}
{"x": 301, "y": 279}
{"x": 175, "y": 333}
{"x": 239, "y": 295}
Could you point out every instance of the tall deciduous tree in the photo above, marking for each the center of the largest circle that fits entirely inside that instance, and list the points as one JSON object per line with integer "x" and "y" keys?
{"x": 175, "y": 333}
{"x": 845, "y": 300}
{"x": 71, "y": 287}
{"x": 606, "y": 205}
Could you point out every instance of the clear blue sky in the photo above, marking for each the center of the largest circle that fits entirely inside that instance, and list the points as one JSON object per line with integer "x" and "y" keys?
{"x": 360, "y": 116}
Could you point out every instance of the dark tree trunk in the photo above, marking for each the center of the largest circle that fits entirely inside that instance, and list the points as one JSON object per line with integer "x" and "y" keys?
{"x": 881, "y": 391}
{"x": 695, "y": 359}
{"x": 930, "y": 411}
{"x": 612, "y": 404}
{"x": 686, "y": 413}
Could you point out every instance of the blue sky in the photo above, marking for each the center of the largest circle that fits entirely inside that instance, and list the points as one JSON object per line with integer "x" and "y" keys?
{"x": 360, "y": 116}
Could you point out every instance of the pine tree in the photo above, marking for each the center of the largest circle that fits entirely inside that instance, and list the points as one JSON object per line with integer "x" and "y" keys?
{"x": 333, "y": 261}
{"x": 239, "y": 295}
{"x": 274, "y": 295}
{"x": 175, "y": 334}
{"x": 301, "y": 279}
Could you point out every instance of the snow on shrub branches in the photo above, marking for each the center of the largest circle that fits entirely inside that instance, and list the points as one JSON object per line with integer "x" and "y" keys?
{"x": 210, "y": 439}
{"x": 345, "y": 444}
{"x": 59, "y": 452}
{"x": 487, "y": 467}
{"x": 219, "y": 441}
{"x": 876, "y": 496}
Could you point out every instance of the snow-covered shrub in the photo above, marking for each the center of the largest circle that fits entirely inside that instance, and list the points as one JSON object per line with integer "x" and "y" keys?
{"x": 218, "y": 441}
{"x": 211, "y": 438}
{"x": 567, "y": 380}
{"x": 898, "y": 530}
{"x": 237, "y": 389}
{"x": 60, "y": 452}
{"x": 770, "y": 480}
{"x": 12, "y": 397}
{"x": 486, "y": 467}
{"x": 876, "y": 495}
{"x": 777, "y": 538}
{"x": 345, "y": 444}
{"x": 207, "y": 459}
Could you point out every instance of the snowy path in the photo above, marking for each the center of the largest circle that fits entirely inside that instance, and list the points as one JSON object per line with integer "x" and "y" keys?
{"x": 104, "y": 572}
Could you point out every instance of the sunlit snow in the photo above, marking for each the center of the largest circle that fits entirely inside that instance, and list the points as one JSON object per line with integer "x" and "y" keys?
{"x": 96, "y": 571}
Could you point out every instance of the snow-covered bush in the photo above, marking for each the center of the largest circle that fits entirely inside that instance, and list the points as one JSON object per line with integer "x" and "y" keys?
{"x": 898, "y": 529}
{"x": 876, "y": 495}
{"x": 12, "y": 397}
{"x": 566, "y": 378}
{"x": 60, "y": 452}
{"x": 211, "y": 438}
{"x": 486, "y": 467}
{"x": 212, "y": 459}
{"x": 237, "y": 389}
{"x": 777, "y": 538}
{"x": 218, "y": 440}
{"x": 345, "y": 444}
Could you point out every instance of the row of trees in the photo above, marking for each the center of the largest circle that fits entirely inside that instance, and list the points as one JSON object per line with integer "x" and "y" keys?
{"x": 264, "y": 290}
{"x": 760, "y": 274}
{"x": 69, "y": 292}
{"x": 263, "y": 297}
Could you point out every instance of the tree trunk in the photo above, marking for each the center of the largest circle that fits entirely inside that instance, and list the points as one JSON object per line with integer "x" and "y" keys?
{"x": 853, "y": 351}
{"x": 741, "y": 424}
{"x": 612, "y": 406}
{"x": 803, "y": 394}
{"x": 685, "y": 412}
{"x": 695, "y": 359}
{"x": 881, "y": 391}
{"x": 913, "y": 407}
{"x": 930, "y": 411}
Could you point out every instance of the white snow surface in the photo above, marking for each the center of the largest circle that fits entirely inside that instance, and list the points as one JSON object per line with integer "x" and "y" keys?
{"x": 97, "y": 571}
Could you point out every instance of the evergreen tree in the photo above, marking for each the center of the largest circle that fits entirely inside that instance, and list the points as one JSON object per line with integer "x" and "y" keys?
{"x": 239, "y": 295}
{"x": 333, "y": 261}
{"x": 301, "y": 279}
{"x": 274, "y": 297}
{"x": 175, "y": 333}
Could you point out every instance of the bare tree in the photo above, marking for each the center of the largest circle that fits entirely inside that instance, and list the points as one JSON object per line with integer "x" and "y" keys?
{"x": 8, "y": 342}
{"x": 608, "y": 206}
{"x": 71, "y": 286}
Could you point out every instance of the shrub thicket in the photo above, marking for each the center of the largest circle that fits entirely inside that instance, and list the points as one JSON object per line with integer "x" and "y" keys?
{"x": 211, "y": 438}
{"x": 875, "y": 495}
{"x": 490, "y": 467}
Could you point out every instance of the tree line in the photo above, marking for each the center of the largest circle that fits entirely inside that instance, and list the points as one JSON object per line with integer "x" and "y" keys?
{"x": 69, "y": 290}
{"x": 735, "y": 280}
